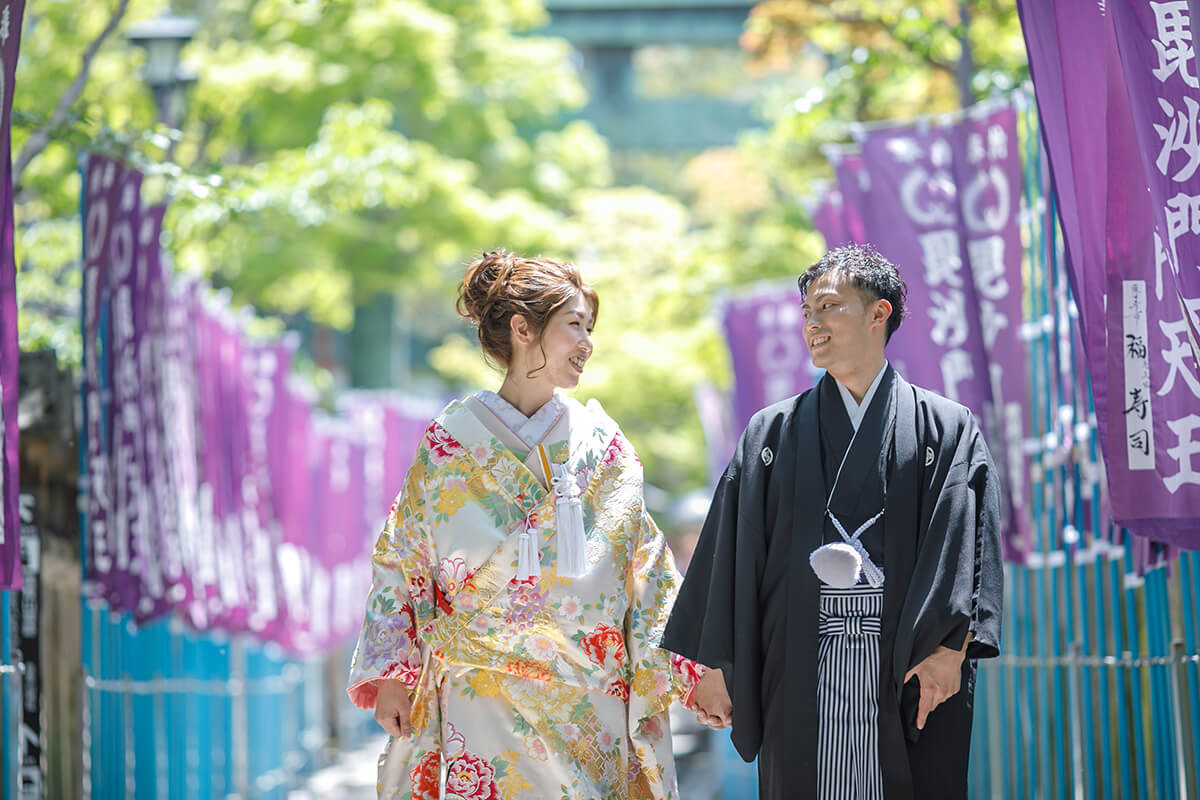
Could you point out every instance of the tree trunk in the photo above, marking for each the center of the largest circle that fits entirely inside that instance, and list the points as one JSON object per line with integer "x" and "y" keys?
{"x": 965, "y": 69}
{"x": 371, "y": 343}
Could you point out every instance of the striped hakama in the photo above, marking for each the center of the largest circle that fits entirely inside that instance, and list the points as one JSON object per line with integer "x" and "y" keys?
{"x": 848, "y": 694}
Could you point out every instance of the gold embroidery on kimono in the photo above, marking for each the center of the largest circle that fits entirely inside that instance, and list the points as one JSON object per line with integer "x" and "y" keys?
{"x": 547, "y": 687}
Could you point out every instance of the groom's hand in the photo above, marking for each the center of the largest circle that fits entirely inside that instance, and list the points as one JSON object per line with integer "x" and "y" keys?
{"x": 940, "y": 677}
{"x": 710, "y": 701}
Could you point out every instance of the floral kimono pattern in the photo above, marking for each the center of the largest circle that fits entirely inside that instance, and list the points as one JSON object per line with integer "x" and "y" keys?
{"x": 552, "y": 687}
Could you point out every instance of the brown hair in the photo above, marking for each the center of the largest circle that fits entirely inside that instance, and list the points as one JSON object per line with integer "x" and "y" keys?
{"x": 499, "y": 284}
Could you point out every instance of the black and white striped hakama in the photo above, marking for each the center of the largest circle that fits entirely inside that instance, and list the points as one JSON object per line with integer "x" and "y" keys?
{"x": 848, "y": 694}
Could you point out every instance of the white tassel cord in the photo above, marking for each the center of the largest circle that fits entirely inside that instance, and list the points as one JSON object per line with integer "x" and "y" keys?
{"x": 528, "y": 564}
{"x": 837, "y": 564}
{"x": 568, "y": 525}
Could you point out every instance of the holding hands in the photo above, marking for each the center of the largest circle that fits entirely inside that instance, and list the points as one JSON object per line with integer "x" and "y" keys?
{"x": 710, "y": 701}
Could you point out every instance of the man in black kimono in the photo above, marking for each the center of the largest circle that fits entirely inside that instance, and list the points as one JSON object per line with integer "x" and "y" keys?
{"x": 863, "y": 468}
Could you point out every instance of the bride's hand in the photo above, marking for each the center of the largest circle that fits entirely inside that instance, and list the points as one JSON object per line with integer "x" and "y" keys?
{"x": 393, "y": 709}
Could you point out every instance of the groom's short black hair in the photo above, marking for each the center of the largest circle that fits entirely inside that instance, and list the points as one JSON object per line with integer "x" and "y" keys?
{"x": 873, "y": 274}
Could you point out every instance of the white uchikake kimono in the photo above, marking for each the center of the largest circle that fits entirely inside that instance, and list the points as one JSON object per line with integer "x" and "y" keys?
{"x": 546, "y": 687}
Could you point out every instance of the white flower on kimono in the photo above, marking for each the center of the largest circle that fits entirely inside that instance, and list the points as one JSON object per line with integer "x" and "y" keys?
{"x": 570, "y": 606}
{"x": 536, "y": 748}
{"x": 467, "y": 602}
{"x": 482, "y": 625}
{"x": 597, "y": 548}
{"x": 481, "y": 453}
{"x": 454, "y": 744}
{"x": 452, "y": 574}
{"x": 569, "y": 731}
{"x": 606, "y": 739}
{"x": 541, "y": 648}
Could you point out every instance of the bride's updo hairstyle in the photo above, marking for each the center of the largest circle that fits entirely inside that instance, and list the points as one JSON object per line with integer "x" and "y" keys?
{"x": 499, "y": 284}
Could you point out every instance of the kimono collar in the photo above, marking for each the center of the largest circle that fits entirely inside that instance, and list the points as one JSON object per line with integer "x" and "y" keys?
{"x": 854, "y": 409}
{"x": 530, "y": 430}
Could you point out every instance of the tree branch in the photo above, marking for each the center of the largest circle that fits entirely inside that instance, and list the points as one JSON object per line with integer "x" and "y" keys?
{"x": 913, "y": 46}
{"x": 41, "y": 137}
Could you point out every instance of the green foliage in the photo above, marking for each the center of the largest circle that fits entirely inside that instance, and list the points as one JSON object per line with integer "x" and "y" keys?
{"x": 336, "y": 150}
{"x": 866, "y": 60}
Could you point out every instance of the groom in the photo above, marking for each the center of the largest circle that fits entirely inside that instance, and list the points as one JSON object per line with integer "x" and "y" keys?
{"x": 849, "y": 571}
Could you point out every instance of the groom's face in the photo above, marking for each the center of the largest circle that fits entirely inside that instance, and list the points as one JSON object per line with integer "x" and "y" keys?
{"x": 842, "y": 324}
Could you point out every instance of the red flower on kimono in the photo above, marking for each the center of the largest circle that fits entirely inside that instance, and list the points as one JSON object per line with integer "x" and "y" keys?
{"x": 408, "y": 672}
{"x": 443, "y": 604}
{"x": 526, "y": 668}
{"x": 614, "y": 450}
{"x": 469, "y": 777}
{"x": 619, "y": 688}
{"x": 600, "y": 641}
{"x": 442, "y": 446}
{"x": 688, "y": 670}
{"x": 425, "y": 777}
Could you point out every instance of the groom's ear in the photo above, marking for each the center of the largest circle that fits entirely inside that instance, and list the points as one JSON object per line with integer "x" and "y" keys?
{"x": 881, "y": 312}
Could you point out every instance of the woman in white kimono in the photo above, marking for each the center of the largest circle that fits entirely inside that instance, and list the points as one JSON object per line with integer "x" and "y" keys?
{"x": 520, "y": 586}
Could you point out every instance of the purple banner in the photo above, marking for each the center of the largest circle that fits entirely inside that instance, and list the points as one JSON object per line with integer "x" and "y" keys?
{"x": 853, "y": 184}
{"x": 912, "y": 217}
{"x": 987, "y": 169}
{"x": 829, "y": 218}
{"x": 1132, "y": 264}
{"x": 317, "y": 552}
{"x": 764, "y": 330}
{"x": 214, "y": 586}
{"x": 720, "y": 440}
{"x": 212, "y": 487}
{"x": 180, "y": 417}
{"x": 225, "y": 431}
{"x": 1156, "y": 371}
{"x": 267, "y": 367}
{"x": 163, "y": 500}
{"x": 129, "y": 525}
{"x": 11, "y": 14}
{"x": 347, "y": 538}
{"x": 101, "y": 193}
{"x": 292, "y": 471}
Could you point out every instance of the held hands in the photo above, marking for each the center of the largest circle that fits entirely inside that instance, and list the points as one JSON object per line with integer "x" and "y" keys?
{"x": 940, "y": 677}
{"x": 710, "y": 701}
{"x": 393, "y": 709}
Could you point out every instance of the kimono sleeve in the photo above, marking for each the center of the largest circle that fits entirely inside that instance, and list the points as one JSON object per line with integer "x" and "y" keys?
{"x": 959, "y": 575}
{"x": 656, "y": 677}
{"x": 988, "y": 585}
{"x": 389, "y": 646}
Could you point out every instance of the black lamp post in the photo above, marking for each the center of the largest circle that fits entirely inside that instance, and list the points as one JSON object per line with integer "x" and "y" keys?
{"x": 163, "y": 38}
